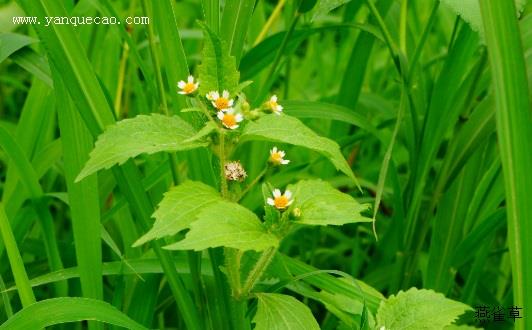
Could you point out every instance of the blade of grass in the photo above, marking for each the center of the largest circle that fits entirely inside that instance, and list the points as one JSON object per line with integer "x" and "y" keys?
{"x": 235, "y": 20}
{"x": 29, "y": 179}
{"x": 514, "y": 131}
{"x": 62, "y": 310}
{"x": 15, "y": 259}
{"x": 65, "y": 50}
{"x": 83, "y": 196}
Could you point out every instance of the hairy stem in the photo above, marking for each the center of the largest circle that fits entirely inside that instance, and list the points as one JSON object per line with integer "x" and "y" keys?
{"x": 257, "y": 271}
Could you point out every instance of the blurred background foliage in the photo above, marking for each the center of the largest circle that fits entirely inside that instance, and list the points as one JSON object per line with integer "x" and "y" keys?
{"x": 441, "y": 223}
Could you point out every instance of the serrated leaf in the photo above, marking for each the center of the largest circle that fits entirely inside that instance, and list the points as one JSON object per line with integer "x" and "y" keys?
{"x": 281, "y": 312}
{"x": 321, "y": 204}
{"x": 325, "y": 6}
{"x": 469, "y": 11}
{"x": 217, "y": 71}
{"x": 287, "y": 129}
{"x": 226, "y": 224}
{"x": 419, "y": 309}
{"x": 178, "y": 208}
{"x": 212, "y": 220}
{"x": 142, "y": 134}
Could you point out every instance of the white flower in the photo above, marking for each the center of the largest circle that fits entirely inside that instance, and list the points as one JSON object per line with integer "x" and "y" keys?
{"x": 274, "y": 106}
{"x": 280, "y": 201}
{"x": 188, "y": 87}
{"x": 222, "y": 102}
{"x": 277, "y": 157}
{"x": 229, "y": 118}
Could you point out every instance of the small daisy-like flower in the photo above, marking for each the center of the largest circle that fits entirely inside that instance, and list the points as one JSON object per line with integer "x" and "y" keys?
{"x": 280, "y": 201}
{"x": 274, "y": 106}
{"x": 188, "y": 87}
{"x": 220, "y": 102}
{"x": 277, "y": 157}
{"x": 234, "y": 171}
{"x": 229, "y": 118}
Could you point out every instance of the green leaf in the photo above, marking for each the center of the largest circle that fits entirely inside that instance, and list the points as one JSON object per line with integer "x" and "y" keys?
{"x": 213, "y": 221}
{"x": 203, "y": 132}
{"x": 143, "y": 134}
{"x": 11, "y": 42}
{"x": 178, "y": 208}
{"x": 226, "y": 224}
{"x": 418, "y": 309}
{"x": 286, "y": 129}
{"x": 62, "y": 310}
{"x": 281, "y": 312}
{"x": 321, "y": 204}
{"x": 217, "y": 70}
{"x": 325, "y": 6}
{"x": 469, "y": 10}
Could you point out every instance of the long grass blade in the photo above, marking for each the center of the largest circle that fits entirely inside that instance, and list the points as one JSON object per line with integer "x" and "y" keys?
{"x": 514, "y": 131}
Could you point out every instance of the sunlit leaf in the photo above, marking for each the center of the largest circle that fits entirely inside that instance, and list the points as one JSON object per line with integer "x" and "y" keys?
{"x": 217, "y": 71}
{"x": 321, "y": 204}
{"x": 287, "y": 129}
{"x": 143, "y": 134}
{"x": 281, "y": 312}
{"x": 178, "y": 209}
{"x": 419, "y": 309}
{"x": 226, "y": 224}
{"x": 63, "y": 310}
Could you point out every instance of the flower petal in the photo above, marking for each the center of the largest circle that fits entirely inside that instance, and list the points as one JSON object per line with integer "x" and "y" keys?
{"x": 276, "y": 193}
{"x": 270, "y": 201}
{"x": 220, "y": 115}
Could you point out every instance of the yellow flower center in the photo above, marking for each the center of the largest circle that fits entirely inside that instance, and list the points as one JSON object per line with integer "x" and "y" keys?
{"x": 272, "y": 105}
{"x": 229, "y": 120}
{"x": 221, "y": 103}
{"x": 189, "y": 87}
{"x": 280, "y": 202}
{"x": 276, "y": 157}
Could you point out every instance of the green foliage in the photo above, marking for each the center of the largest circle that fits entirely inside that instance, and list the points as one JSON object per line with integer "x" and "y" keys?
{"x": 281, "y": 312}
{"x": 11, "y": 42}
{"x": 226, "y": 224}
{"x": 178, "y": 209}
{"x": 286, "y": 129}
{"x": 135, "y": 136}
{"x": 321, "y": 204}
{"x": 323, "y": 7}
{"x": 469, "y": 10}
{"x": 63, "y": 310}
{"x": 435, "y": 124}
{"x": 217, "y": 71}
{"x": 418, "y": 309}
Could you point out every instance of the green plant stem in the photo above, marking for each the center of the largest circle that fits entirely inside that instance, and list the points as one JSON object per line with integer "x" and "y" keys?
{"x": 267, "y": 26}
{"x": 386, "y": 34}
{"x": 257, "y": 271}
{"x": 223, "y": 180}
{"x": 252, "y": 184}
{"x": 402, "y": 26}
{"x": 15, "y": 260}
{"x": 271, "y": 74}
